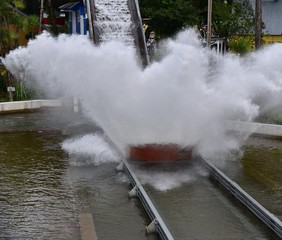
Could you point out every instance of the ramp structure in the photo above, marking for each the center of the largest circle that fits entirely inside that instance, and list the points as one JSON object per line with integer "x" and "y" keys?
{"x": 117, "y": 20}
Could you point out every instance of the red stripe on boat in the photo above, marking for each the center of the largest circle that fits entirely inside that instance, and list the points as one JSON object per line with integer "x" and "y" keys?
{"x": 159, "y": 153}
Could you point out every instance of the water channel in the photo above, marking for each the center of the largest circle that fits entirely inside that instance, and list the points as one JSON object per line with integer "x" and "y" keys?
{"x": 44, "y": 189}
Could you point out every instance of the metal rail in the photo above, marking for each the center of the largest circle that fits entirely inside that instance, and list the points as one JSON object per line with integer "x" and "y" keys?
{"x": 270, "y": 220}
{"x": 138, "y": 31}
{"x": 157, "y": 225}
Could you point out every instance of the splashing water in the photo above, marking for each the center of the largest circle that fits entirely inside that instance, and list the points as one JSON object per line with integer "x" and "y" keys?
{"x": 92, "y": 149}
{"x": 113, "y": 20}
{"x": 184, "y": 98}
{"x": 164, "y": 178}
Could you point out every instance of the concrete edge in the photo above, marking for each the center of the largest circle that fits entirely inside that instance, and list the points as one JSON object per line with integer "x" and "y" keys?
{"x": 87, "y": 228}
{"x": 255, "y": 128}
{"x": 23, "y": 106}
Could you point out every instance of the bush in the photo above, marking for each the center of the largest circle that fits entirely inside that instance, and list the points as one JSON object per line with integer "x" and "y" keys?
{"x": 22, "y": 91}
{"x": 240, "y": 45}
{"x": 272, "y": 116}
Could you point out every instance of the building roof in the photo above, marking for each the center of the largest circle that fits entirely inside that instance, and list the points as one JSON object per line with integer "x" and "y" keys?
{"x": 70, "y": 6}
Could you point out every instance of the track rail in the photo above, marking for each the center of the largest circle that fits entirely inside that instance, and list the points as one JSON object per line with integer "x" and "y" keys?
{"x": 157, "y": 225}
{"x": 270, "y": 220}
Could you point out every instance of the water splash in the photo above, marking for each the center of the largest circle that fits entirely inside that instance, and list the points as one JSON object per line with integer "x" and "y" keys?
{"x": 164, "y": 178}
{"x": 90, "y": 149}
{"x": 184, "y": 98}
{"x": 113, "y": 20}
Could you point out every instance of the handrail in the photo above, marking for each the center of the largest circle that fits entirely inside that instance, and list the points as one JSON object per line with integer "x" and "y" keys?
{"x": 138, "y": 31}
{"x": 90, "y": 19}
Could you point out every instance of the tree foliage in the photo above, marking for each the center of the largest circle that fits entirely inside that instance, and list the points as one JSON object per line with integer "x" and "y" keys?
{"x": 169, "y": 16}
{"x": 11, "y": 22}
{"x": 234, "y": 17}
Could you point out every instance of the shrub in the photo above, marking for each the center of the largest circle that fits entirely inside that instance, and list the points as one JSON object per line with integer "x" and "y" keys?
{"x": 240, "y": 45}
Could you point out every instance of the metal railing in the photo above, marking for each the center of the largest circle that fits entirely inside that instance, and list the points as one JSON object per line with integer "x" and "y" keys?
{"x": 138, "y": 31}
{"x": 270, "y": 220}
{"x": 157, "y": 225}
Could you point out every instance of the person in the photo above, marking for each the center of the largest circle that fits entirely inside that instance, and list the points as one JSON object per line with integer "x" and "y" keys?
{"x": 145, "y": 27}
{"x": 203, "y": 31}
{"x": 196, "y": 29}
{"x": 151, "y": 44}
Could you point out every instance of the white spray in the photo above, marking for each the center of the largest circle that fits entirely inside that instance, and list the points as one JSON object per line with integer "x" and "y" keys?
{"x": 181, "y": 99}
{"x": 92, "y": 149}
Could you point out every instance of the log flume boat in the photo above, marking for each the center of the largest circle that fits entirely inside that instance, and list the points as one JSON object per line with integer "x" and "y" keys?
{"x": 159, "y": 153}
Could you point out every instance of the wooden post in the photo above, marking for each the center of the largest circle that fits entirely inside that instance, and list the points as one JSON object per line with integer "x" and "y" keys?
{"x": 41, "y": 15}
{"x": 209, "y": 23}
{"x": 258, "y": 23}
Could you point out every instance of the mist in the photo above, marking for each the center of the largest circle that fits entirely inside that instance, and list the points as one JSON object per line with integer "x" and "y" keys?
{"x": 183, "y": 98}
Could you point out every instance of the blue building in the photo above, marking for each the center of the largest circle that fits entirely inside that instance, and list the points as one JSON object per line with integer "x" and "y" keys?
{"x": 77, "y": 17}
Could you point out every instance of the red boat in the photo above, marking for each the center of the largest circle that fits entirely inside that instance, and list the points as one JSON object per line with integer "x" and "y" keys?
{"x": 159, "y": 153}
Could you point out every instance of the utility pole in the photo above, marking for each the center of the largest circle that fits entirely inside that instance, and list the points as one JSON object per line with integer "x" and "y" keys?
{"x": 258, "y": 23}
{"x": 41, "y": 15}
{"x": 209, "y": 23}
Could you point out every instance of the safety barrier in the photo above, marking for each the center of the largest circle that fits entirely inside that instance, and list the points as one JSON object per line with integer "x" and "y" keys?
{"x": 138, "y": 31}
{"x": 270, "y": 220}
{"x": 157, "y": 225}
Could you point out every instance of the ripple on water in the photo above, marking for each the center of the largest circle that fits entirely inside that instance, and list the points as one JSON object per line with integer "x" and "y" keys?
{"x": 35, "y": 203}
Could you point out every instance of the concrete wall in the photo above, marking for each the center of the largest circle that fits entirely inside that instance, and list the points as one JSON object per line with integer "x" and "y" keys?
{"x": 257, "y": 128}
{"x": 27, "y": 105}
{"x": 248, "y": 127}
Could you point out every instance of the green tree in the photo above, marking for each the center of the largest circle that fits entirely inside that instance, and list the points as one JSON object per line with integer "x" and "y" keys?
{"x": 167, "y": 17}
{"x": 30, "y": 26}
{"x": 233, "y": 18}
{"x": 8, "y": 39}
{"x": 11, "y": 21}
